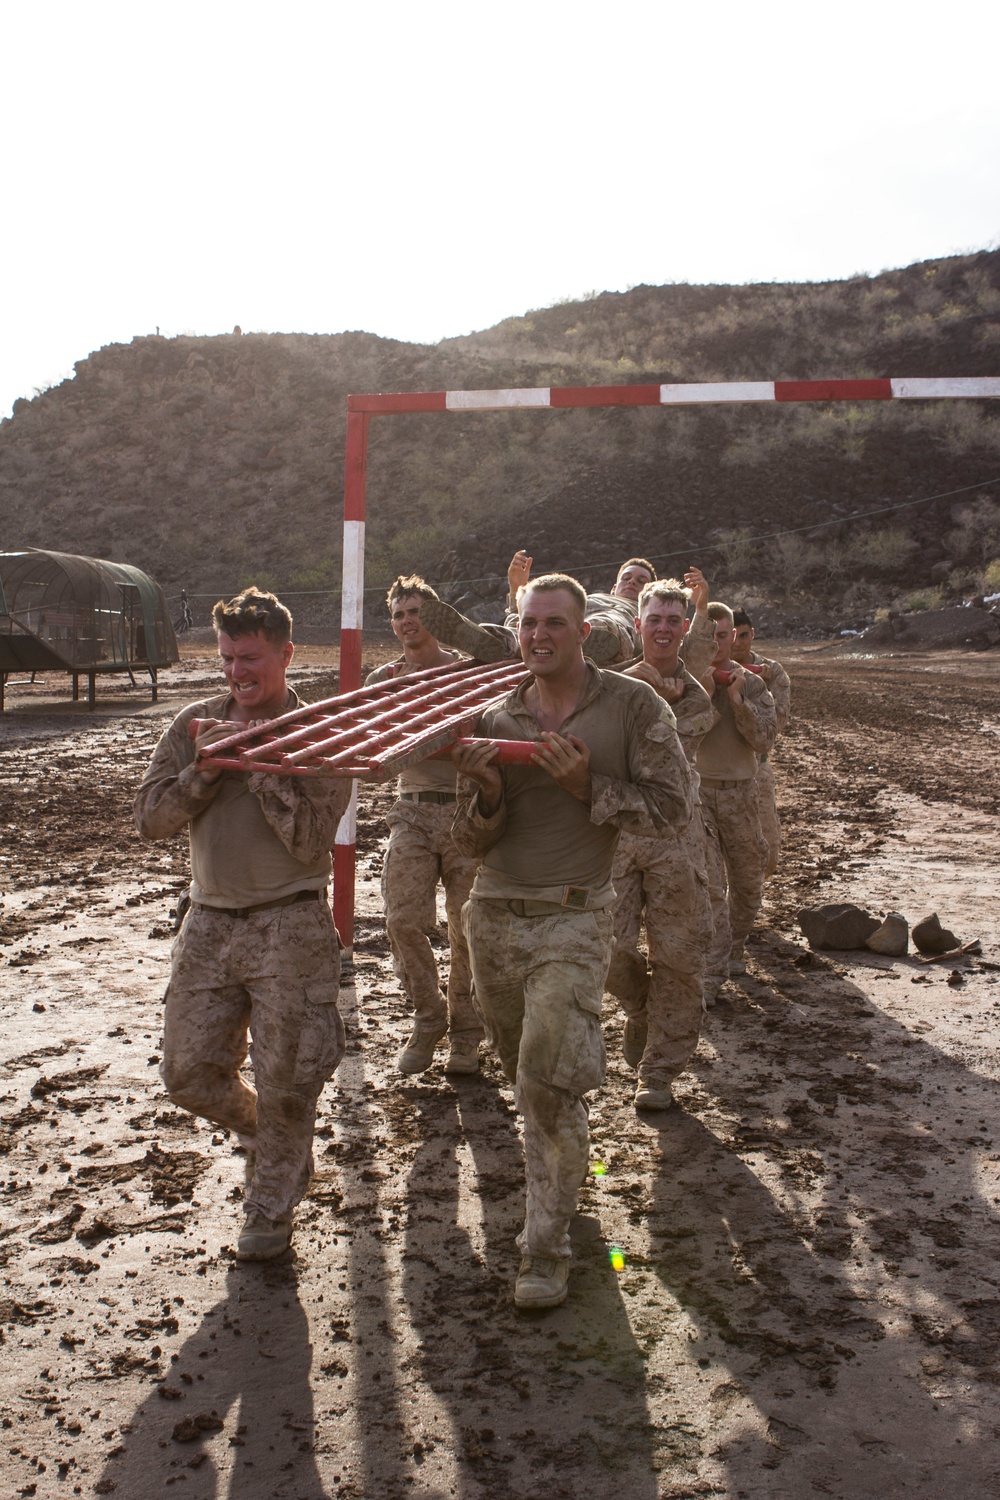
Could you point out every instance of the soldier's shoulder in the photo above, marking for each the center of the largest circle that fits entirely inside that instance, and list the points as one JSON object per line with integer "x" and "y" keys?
{"x": 692, "y": 687}
{"x": 385, "y": 673}
{"x": 638, "y": 700}
{"x": 622, "y": 685}
{"x": 755, "y": 687}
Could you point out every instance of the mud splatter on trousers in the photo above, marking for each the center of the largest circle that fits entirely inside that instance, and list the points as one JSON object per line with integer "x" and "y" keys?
{"x": 422, "y": 852}
{"x": 539, "y": 984}
{"x": 662, "y": 884}
{"x": 275, "y": 975}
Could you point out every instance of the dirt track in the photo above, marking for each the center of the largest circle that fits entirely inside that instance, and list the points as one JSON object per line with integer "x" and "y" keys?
{"x": 810, "y": 1301}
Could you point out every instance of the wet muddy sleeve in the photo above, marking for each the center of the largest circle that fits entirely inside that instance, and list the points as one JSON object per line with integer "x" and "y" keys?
{"x": 755, "y": 717}
{"x": 302, "y": 810}
{"x": 780, "y": 688}
{"x": 172, "y": 792}
{"x": 695, "y": 716}
{"x": 473, "y": 833}
{"x": 698, "y": 646}
{"x": 658, "y": 798}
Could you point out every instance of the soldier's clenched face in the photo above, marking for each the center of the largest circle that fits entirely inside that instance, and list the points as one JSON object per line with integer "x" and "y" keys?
{"x": 255, "y": 671}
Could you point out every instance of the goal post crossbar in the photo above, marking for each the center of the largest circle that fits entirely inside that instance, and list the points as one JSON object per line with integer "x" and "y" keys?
{"x": 563, "y": 397}
{"x": 361, "y": 408}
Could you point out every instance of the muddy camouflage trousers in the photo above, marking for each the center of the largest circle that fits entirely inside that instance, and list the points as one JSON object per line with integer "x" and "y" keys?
{"x": 770, "y": 823}
{"x": 737, "y": 858}
{"x": 539, "y": 985}
{"x": 276, "y": 975}
{"x": 421, "y": 852}
{"x": 665, "y": 882}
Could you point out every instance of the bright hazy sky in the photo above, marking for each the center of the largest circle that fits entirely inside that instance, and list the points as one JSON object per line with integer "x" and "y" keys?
{"x": 422, "y": 170}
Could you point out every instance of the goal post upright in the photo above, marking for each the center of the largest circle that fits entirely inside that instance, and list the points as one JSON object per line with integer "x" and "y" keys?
{"x": 352, "y": 616}
{"x": 361, "y": 408}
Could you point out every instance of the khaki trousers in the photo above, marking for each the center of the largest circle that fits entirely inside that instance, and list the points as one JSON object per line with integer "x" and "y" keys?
{"x": 276, "y": 975}
{"x": 421, "y": 852}
{"x": 665, "y": 882}
{"x": 539, "y": 984}
{"x": 770, "y": 823}
{"x": 737, "y": 857}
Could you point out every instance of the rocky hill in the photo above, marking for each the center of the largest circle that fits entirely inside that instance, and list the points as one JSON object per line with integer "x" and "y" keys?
{"x": 212, "y": 462}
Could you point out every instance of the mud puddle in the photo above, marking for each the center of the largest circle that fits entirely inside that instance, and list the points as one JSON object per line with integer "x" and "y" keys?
{"x": 807, "y": 1301}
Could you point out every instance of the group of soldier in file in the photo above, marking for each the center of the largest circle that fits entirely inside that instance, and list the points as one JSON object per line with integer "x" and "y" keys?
{"x": 689, "y": 871}
{"x": 648, "y": 802}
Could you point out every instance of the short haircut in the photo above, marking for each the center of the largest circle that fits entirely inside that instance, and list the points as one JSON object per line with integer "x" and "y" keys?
{"x": 740, "y": 617}
{"x": 549, "y": 583}
{"x": 667, "y": 590}
{"x": 718, "y": 611}
{"x": 403, "y": 587}
{"x": 636, "y": 562}
{"x": 254, "y": 612}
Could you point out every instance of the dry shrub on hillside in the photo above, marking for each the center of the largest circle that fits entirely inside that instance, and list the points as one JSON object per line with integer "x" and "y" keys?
{"x": 976, "y": 536}
{"x": 882, "y": 551}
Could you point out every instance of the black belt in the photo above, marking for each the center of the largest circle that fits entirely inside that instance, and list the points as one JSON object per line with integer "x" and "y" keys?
{"x": 248, "y": 911}
{"x": 428, "y": 797}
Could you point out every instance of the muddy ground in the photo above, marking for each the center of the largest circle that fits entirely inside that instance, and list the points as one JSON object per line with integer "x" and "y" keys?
{"x": 810, "y": 1298}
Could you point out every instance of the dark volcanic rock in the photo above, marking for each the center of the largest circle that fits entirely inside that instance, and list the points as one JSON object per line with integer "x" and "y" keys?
{"x": 961, "y": 625}
{"x": 837, "y": 925}
{"x": 931, "y": 937}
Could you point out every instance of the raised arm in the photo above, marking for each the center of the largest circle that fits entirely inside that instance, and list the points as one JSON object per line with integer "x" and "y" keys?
{"x": 698, "y": 645}
{"x": 518, "y": 574}
{"x": 480, "y": 814}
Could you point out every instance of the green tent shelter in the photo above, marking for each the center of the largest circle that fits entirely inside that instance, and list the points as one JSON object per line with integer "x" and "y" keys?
{"x": 60, "y": 612}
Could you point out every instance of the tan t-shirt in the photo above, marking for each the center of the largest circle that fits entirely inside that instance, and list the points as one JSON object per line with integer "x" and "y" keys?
{"x": 544, "y": 844}
{"x": 744, "y": 730}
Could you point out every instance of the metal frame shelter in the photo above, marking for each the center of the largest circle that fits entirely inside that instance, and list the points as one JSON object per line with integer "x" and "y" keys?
{"x": 360, "y": 410}
{"x": 81, "y": 615}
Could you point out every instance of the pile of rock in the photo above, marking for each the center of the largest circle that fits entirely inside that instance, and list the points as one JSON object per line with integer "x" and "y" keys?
{"x": 956, "y": 626}
{"x": 843, "y": 925}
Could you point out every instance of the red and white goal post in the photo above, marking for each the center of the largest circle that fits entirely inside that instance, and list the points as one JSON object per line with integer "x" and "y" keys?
{"x": 360, "y": 410}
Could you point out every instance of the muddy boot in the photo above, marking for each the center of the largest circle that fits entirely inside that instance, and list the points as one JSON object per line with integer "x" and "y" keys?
{"x": 634, "y": 1040}
{"x": 263, "y": 1239}
{"x": 418, "y": 1054}
{"x": 453, "y": 629}
{"x": 463, "y": 1057}
{"x": 541, "y": 1283}
{"x": 649, "y": 1097}
{"x": 710, "y": 989}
